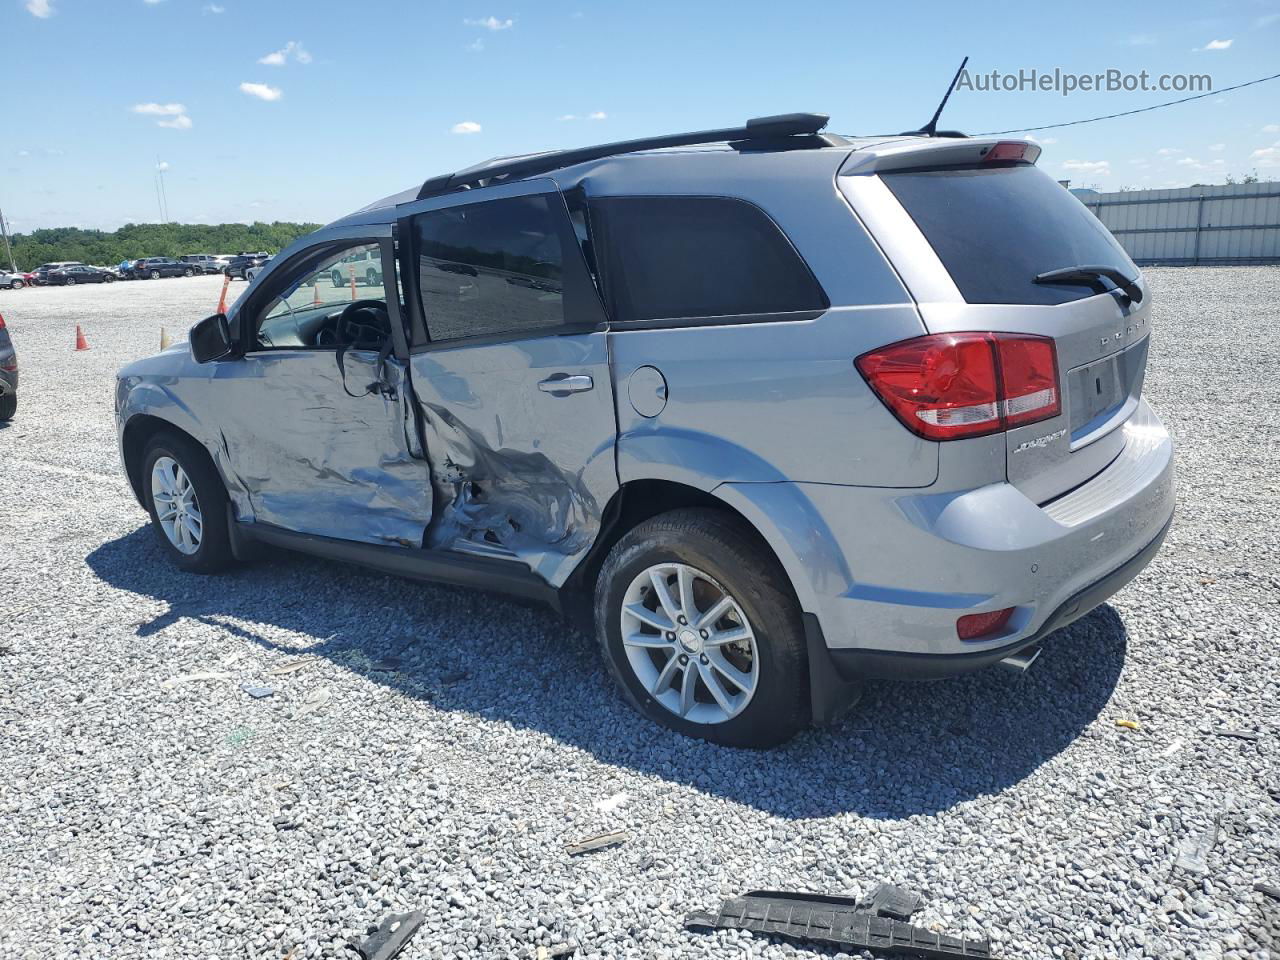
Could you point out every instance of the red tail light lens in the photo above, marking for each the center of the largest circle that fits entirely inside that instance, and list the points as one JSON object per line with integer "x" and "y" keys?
{"x": 1, "y": 321}
{"x": 947, "y": 386}
{"x": 976, "y": 625}
{"x": 1006, "y": 150}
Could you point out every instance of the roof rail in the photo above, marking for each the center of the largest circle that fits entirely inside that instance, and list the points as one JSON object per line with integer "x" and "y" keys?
{"x": 759, "y": 128}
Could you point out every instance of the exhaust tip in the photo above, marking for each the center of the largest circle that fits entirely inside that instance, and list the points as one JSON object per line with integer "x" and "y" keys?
{"x": 1021, "y": 661}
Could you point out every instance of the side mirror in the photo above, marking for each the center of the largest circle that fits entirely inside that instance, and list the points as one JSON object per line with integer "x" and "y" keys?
{"x": 211, "y": 339}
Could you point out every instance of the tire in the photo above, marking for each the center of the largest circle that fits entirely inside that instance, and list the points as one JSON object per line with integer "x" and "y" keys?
{"x": 154, "y": 274}
{"x": 371, "y": 278}
{"x": 70, "y": 281}
{"x": 8, "y": 407}
{"x": 336, "y": 277}
{"x": 17, "y": 285}
{"x": 188, "y": 272}
{"x": 722, "y": 554}
{"x": 108, "y": 279}
{"x": 212, "y": 553}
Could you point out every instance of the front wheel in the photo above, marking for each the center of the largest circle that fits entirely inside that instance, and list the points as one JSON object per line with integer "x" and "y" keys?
{"x": 155, "y": 274}
{"x": 16, "y": 285}
{"x": 8, "y": 406}
{"x": 108, "y": 279}
{"x": 70, "y": 281}
{"x": 187, "y": 503}
{"x": 188, "y": 272}
{"x": 699, "y": 627}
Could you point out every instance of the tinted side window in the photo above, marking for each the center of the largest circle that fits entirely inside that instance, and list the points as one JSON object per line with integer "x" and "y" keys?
{"x": 491, "y": 268}
{"x": 668, "y": 258}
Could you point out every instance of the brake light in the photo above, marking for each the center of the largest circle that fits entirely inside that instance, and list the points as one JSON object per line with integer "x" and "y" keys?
{"x": 948, "y": 386}
{"x": 1, "y": 321}
{"x": 975, "y": 625}
{"x": 1007, "y": 150}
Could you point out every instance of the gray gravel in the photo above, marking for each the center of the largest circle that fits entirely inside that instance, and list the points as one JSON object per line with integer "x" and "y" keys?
{"x": 145, "y": 818}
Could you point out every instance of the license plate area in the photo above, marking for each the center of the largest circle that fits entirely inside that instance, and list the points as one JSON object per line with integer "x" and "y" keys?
{"x": 1098, "y": 391}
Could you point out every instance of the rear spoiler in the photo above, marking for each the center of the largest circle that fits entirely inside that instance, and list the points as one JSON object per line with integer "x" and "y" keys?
{"x": 892, "y": 155}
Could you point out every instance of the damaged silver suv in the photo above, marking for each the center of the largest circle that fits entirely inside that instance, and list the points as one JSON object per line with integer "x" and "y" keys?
{"x": 775, "y": 411}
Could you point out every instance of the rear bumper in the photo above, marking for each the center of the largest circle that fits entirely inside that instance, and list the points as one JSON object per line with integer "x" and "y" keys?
{"x": 885, "y": 573}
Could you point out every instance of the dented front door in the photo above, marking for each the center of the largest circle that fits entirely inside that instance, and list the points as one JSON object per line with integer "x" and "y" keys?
{"x": 512, "y": 378}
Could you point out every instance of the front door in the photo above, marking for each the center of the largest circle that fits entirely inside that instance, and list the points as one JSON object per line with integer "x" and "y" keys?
{"x": 316, "y": 415}
{"x": 511, "y": 372}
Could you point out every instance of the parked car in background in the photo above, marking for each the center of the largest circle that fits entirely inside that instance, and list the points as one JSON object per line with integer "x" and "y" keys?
{"x": 204, "y": 262}
{"x": 776, "y": 416}
{"x": 13, "y": 281}
{"x": 70, "y": 276}
{"x": 365, "y": 268}
{"x": 251, "y": 272}
{"x": 41, "y": 273}
{"x": 8, "y": 374}
{"x": 153, "y": 268}
{"x": 242, "y": 262}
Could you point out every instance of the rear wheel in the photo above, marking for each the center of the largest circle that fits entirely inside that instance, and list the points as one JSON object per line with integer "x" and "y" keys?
{"x": 70, "y": 281}
{"x": 187, "y": 503}
{"x": 108, "y": 279}
{"x": 155, "y": 274}
{"x": 371, "y": 278}
{"x": 698, "y": 626}
{"x": 8, "y": 406}
{"x": 188, "y": 272}
{"x": 17, "y": 285}
{"x": 337, "y": 278}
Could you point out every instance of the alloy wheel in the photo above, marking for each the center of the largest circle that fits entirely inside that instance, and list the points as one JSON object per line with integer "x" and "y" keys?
{"x": 177, "y": 507}
{"x": 689, "y": 643}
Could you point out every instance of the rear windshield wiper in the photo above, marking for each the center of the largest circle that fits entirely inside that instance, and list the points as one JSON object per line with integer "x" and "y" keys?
{"x": 1085, "y": 273}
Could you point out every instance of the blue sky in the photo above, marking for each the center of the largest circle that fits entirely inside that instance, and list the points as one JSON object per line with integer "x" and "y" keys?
{"x": 358, "y": 100}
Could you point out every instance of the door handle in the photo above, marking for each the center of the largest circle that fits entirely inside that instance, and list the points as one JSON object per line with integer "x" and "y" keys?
{"x": 561, "y": 385}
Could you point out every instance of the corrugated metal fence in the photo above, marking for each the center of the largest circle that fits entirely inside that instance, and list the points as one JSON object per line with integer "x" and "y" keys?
{"x": 1234, "y": 223}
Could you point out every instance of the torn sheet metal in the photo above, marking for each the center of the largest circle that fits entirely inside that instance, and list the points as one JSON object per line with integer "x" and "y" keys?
{"x": 390, "y": 937}
{"x": 320, "y": 453}
{"x": 833, "y": 921}
{"x": 518, "y": 472}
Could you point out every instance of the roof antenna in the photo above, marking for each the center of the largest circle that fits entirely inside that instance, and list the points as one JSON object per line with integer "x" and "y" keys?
{"x": 930, "y": 129}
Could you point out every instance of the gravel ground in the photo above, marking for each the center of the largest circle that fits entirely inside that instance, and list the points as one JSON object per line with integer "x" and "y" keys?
{"x": 139, "y": 818}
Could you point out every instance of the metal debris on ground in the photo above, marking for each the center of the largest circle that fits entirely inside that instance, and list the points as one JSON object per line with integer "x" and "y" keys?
{"x": 894, "y": 902}
{"x": 1237, "y": 734}
{"x": 833, "y": 921}
{"x": 389, "y": 937}
{"x": 1129, "y": 724}
{"x": 257, "y": 692}
{"x": 1267, "y": 890}
{"x": 293, "y": 666}
{"x": 195, "y": 678}
{"x": 1193, "y": 852}
{"x": 598, "y": 842}
{"x": 315, "y": 700}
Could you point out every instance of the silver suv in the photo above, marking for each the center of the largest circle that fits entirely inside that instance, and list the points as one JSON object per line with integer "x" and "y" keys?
{"x": 774, "y": 411}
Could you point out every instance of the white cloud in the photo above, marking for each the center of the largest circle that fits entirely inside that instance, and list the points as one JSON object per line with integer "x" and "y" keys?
{"x": 262, "y": 91}
{"x": 1271, "y": 128}
{"x": 173, "y": 115}
{"x": 570, "y": 116}
{"x": 491, "y": 23}
{"x": 292, "y": 50}
{"x": 1046, "y": 141}
{"x": 152, "y": 3}
{"x": 1097, "y": 167}
{"x": 214, "y": 8}
{"x": 466, "y": 126}
{"x": 1142, "y": 40}
{"x": 1188, "y": 162}
{"x": 160, "y": 109}
{"x": 1215, "y": 45}
{"x": 40, "y": 8}
{"x": 1169, "y": 151}
{"x": 476, "y": 45}
{"x": 598, "y": 115}
{"x": 162, "y": 166}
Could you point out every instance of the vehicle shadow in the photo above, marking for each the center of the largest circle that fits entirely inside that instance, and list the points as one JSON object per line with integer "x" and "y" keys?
{"x": 908, "y": 748}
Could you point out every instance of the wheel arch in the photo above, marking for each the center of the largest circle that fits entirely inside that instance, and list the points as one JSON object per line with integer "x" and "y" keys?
{"x": 138, "y": 432}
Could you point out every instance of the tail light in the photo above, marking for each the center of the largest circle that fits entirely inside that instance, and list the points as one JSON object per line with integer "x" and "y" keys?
{"x": 1, "y": 321}
{"x": 1008, "y": 150}
{"x": 948, "y": 386}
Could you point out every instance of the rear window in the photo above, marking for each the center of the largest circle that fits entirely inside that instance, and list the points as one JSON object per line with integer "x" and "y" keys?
{"x": 673, "y": 258}
{"x": 996, "y": 228}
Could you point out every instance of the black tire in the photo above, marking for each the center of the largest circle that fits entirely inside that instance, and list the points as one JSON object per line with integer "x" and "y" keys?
{"x": 16, "y": 285}
{"x": 188, "y": 272}
{"x": 371, "y": 278}
{"x": 336, "y": 278}
{"x": 108, "y": 279}
{"x": 8, "y": 406}
{"x": 721, "y": 546}
{"x": 214, "y": 552}
{"x": 70, "y": 281}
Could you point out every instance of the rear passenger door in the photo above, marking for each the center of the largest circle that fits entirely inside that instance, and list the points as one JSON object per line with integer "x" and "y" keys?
{"x": 511, "y": 372}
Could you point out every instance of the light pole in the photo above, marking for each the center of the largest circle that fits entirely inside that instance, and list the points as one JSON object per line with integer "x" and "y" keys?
{"x": 8, "y": 250}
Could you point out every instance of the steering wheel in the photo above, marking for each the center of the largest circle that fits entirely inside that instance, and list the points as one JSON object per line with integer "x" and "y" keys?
{"x": 363, "y": 323}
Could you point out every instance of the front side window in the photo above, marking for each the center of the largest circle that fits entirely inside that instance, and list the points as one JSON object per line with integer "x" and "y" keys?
{"x": 332, "y": 298}
{"x": 492, "y": 268}
{"x": 672, "y": 258}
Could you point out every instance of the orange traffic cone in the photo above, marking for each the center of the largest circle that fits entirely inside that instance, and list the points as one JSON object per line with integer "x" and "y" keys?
{"x": 81, "y": 342}
{"x": 164, "y": 338}
{"x": 222, "y": 300}
{"x": 316, "y": 301}
{"x": 352, "y": 270}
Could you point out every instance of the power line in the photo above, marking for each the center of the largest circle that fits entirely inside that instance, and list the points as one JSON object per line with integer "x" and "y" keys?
{"x": 1129, "y": 113}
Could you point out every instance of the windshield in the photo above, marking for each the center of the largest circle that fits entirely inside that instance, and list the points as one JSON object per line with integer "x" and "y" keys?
{"x": 996, "y": 228}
